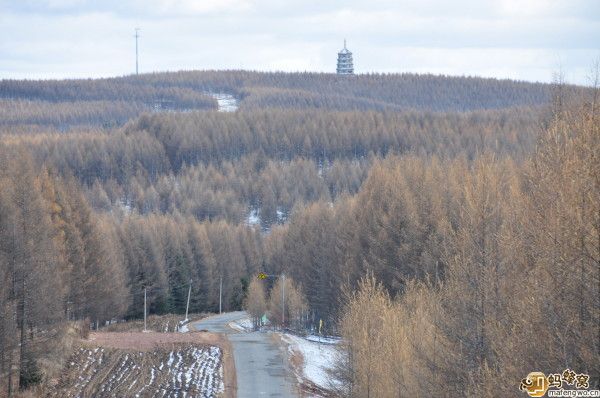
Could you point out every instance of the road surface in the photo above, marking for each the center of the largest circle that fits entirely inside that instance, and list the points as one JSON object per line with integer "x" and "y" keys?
{"x": 261, "y": 369}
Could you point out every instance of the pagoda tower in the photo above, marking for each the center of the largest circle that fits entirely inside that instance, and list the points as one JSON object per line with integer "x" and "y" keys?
{"x": 345, "y": 65}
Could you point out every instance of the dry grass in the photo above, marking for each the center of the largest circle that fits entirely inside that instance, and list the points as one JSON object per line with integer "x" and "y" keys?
{"x": 141, "y": 341}
{"x": 52, "y": 348}
{"x": 157, "y": 323}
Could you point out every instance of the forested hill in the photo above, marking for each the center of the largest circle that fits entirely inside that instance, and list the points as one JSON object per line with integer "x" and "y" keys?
{"x": 376, "y": 91}
{"x": 455, "y": 193}
{"x": 85, "y": 101}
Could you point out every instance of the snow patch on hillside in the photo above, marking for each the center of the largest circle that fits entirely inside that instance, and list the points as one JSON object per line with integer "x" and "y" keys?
{"x": 253, "y": 218}
{"x": 226, "y": 102}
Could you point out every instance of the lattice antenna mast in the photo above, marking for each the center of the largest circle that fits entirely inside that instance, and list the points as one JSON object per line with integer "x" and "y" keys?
{"x": 137, "y": 35}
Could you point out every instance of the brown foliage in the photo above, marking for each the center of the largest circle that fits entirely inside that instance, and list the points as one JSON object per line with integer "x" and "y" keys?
{"x": 520, "y": 283}
{"x": 255, "y": 303}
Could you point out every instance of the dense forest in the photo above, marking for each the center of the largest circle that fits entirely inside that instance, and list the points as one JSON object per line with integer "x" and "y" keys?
{"x": 447, "y": 227}
{"x": 109, "y": 102}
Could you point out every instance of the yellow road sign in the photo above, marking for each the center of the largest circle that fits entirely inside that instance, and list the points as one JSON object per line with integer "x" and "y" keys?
{"x": 262, "y": 275}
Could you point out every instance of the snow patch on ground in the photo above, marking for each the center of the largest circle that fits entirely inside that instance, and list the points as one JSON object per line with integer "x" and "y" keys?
{"x": 253, "y": 218}
{"x": 226, "y": 102}
{"x": 193, "y": 370}
{"x": 318, "y": 358}
{"x": 242, "y": 325}
{"x": 281, "y": 216}
{"x": 184, "y": 328}
{"x": 323, "y": 339}
{"x": 124, "y": 206}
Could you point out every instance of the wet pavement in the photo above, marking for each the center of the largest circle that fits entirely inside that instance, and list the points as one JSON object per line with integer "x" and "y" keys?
{"x": 261, "y": 367}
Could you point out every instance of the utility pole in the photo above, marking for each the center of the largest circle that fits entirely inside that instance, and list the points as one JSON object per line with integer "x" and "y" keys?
{"x": 283, "y": 300}
{"x": 187, "y": 307}
{"x": 137, "y": 35}
{"x": 144, "y": 309}
{"x": 220, "y": 292}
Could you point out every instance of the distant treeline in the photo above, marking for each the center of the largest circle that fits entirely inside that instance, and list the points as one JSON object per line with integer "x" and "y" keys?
{"x": 63, "y": 104}
{"x": 116, "y": 89}
{"x": 66, "y": 115}
{"x": 362, "y": 92}
{"x": 70, "y": 102}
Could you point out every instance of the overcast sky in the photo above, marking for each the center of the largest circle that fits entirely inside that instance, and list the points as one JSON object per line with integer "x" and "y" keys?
{"x": 517, "y": 39}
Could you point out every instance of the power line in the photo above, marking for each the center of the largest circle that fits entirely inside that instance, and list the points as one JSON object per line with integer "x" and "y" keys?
{"x": 131, "y": 295}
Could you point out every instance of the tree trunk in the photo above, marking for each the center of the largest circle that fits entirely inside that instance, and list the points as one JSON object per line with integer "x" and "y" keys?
{"x": 10, "y": 381}
{"x": 22, "y": 338}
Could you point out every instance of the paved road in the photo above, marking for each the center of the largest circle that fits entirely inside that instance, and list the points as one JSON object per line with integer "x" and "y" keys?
{"x": 262, "y": 370}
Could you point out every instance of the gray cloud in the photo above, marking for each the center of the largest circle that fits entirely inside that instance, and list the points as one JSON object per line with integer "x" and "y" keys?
{"x": 521, "y": 39}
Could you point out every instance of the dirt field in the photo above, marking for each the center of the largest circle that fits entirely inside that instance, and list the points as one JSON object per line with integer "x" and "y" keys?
{"x": 148, "y": 341}
{"x": 138, "y": 364}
